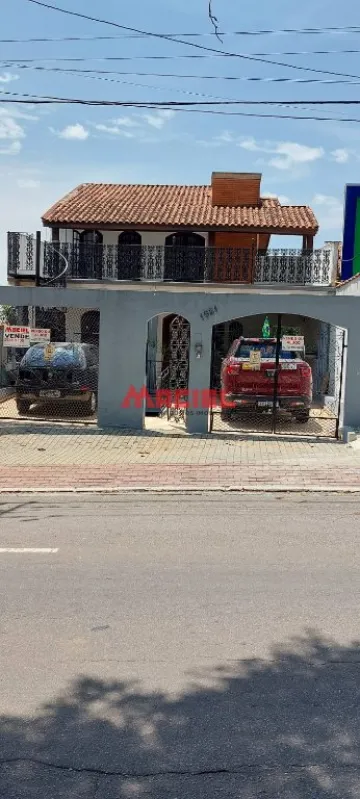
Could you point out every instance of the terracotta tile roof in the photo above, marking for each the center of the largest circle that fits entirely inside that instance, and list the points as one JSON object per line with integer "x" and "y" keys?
{"x": 104, "y": 205}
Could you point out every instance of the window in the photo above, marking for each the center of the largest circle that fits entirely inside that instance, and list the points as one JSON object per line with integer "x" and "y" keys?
{"x": 268, "y": 351}
{"x": 129, "y": 255}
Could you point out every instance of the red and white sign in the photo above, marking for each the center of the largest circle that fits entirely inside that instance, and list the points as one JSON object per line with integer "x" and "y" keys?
{"x": 16, "y": 336}
{"x": 293, "y": 343}
{"x": 38, "y": 335}
{"x": 23, "y": 337}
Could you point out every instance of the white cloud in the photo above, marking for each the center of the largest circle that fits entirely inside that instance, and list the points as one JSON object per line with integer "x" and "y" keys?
{"x": 15, "y": 113}
{"x": 11, "y": 149}
{"x": 75, "y": 132}
{"x": 9, "y": 129}
{"x": 283, "y": 199}
{"x": 226, "y": 137}
{"x": 126, "y": 122}
{"x": 330, "y": 213}
{"x": 7, "y": 77}
{"x": 159, "y": 119}
{"x": 28, "y": 183}
{"x": 341, "y": 156}
{"x": 285, "y": 155}
{"x": 11, "y": 133}
{"x": 251, "y": 146}
{"x": 114, "y": 130}
{"x": 291, "y": 153}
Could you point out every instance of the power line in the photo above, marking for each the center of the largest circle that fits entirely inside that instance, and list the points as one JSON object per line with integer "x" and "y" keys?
{"x": 241, "y": 78}
{"x": 44, "y": 101}
{"x": 160, "y": 104}
{"x": 16, "y": 61}
{"x": 351, "y": 51}
{"x": 347, "y": 30}
{"x": 183, "y": 41}
{"x": 34, "y": 100}
{"x": 75, "y": 73}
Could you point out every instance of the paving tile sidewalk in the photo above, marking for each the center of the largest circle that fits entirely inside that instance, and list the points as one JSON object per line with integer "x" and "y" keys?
{"x": 64, "y": 456}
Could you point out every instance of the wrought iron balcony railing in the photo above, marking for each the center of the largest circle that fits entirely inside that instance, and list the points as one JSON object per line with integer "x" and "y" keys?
{"x": 168, "y": 264}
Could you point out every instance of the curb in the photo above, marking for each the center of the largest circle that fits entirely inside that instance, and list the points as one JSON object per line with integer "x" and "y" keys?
{"x": 188, "y": 489}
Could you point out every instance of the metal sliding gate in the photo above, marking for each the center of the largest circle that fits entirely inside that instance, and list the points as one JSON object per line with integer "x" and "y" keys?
{"x": 276, "y": 413}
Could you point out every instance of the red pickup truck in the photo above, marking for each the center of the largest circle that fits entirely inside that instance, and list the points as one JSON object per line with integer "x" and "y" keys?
{"x": 248, "y": 374}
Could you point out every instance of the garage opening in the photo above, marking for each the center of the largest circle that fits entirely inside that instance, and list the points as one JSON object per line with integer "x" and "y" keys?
{"x": 277, "y": 373}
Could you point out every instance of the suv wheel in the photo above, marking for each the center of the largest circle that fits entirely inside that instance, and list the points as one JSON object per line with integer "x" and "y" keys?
{"x": 90, "y": 406}
{"x": 303, "y": 417}
{"x": 227, "y": 414}
{"x": 23, "y": 406}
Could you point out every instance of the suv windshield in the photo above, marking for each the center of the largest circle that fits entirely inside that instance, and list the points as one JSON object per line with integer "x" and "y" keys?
{"x": 268, "y": 351}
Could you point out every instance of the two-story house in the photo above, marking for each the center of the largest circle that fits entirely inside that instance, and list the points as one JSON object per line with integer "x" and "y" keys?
{"x": 195, "y": 236}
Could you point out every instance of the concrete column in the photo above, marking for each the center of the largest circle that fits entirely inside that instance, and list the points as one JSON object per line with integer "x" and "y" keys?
{"x": 351, "y": 396}
{"x": 197, "y": 417}
{"x": 122, "y": 366}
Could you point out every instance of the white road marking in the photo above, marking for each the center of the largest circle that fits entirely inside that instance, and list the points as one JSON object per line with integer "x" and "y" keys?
{"x": 28, "y": 551}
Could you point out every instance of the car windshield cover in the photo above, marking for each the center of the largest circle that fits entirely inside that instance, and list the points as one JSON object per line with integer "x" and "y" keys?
{"x": 268, "y": 351}
{"x": 61, "y": 356}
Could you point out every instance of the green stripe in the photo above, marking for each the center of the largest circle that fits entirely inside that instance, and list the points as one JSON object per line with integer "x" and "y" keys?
{"x": 356, "y": 261}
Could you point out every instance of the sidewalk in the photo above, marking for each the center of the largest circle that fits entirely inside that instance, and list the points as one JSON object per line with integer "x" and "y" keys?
{"x": 65, "y": 457}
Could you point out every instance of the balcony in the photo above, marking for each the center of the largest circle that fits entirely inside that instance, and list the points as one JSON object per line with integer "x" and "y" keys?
{"x": 60, "y": 263}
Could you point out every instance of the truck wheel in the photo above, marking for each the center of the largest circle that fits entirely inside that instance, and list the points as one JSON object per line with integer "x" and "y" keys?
{"x": 23, "y": 406}
{"x": 303, "y": 417}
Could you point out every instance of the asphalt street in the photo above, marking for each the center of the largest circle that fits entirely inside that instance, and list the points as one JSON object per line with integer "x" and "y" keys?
{"x": 179, "y": 646}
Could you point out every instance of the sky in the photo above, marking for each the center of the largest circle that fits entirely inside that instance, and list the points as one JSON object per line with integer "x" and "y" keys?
{"x": 45, "y": 151}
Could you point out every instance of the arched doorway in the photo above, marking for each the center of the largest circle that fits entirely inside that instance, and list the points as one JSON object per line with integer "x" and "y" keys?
{"x": 184, "y": 258}
{"x": 54, "y": 320}
{"x": 88, "y": 254}
{"x": 167, "y": 362}
{"x": 129, "y": 255}
{"x": 90, "y": 326}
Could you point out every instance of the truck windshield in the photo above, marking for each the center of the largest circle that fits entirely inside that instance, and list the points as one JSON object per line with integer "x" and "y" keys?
{"x": 268, "y": 351}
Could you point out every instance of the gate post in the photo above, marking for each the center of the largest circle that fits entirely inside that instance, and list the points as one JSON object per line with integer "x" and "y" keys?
{"x": 198, "y": 414}
{"x": 351, "y": 404}
{"x": 122, "y": 382}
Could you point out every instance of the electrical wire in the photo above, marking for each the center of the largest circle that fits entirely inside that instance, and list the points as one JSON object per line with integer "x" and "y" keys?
{"x": 183, "y": 41}
{"x": 348, "y": 29}
{"x": 184, "y": 107}
{"x": 75, "y": 73}
{"x": 351, "y": 51}
{"x": 177, "y": 103}
{"x": 197, "y": 111}
{"x": 16, "y": 61}
{"x": 242, "y": 78}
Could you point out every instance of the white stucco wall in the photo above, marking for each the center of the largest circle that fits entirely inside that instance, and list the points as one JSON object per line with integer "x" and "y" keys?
{"x": 351, "y": 287}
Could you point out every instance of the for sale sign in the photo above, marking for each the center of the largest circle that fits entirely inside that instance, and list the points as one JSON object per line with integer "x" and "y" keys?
{"x": 294, "y": 343}
{"x": 255, "y": 360}
{"x": 39, "y": 335}
{"x": 23, "y": 337}
{"x": 16, "y": 336}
